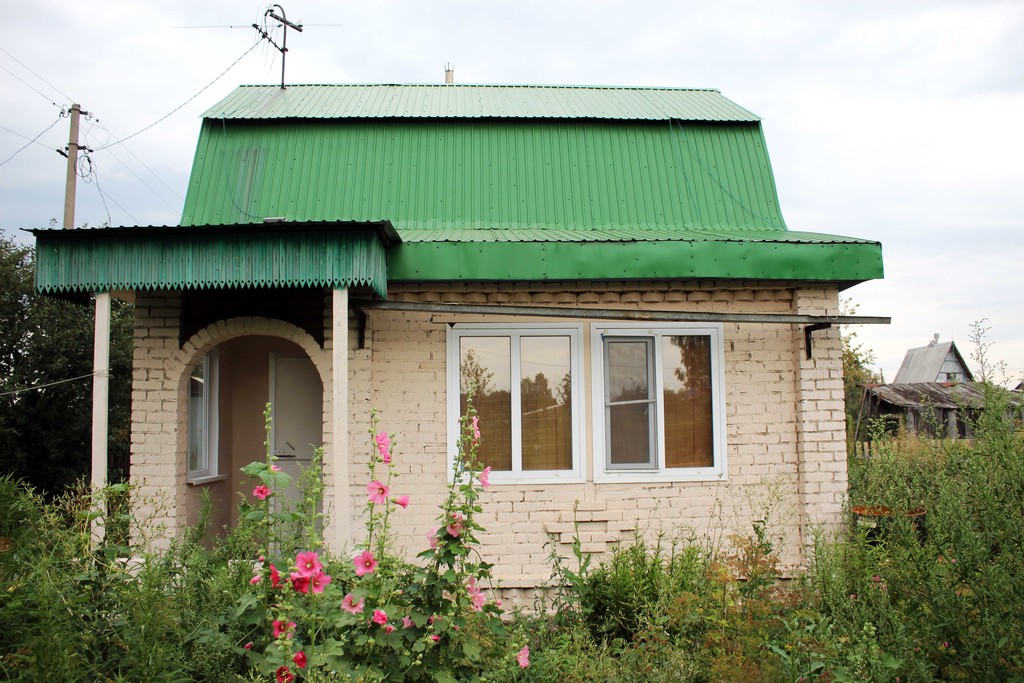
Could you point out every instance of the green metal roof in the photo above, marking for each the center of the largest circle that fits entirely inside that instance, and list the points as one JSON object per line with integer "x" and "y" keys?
{"x": 483, "y": 174}
{"x": 481, "y": 182}
{"x": 476, "y": 101}
{"x": 230, "y": 256}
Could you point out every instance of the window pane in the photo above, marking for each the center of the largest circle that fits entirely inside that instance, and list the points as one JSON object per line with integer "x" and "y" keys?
{"x": 627, "y": 371}
{"x": 688, "y": 418}
{"x": 546, "y": 411}
{"x": 197, "y": 452}
{"x": 629, "y": 431}
{"x": 485, "y": 366}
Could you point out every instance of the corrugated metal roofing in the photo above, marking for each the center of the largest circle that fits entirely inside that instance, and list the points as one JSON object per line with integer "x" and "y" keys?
{"x": 483, "y": 174}
{"x": 260, "y": 256}
{"x": 477, "y": 101}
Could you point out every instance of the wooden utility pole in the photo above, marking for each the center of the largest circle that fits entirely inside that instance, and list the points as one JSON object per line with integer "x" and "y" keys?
{"x": 72, "y": 155}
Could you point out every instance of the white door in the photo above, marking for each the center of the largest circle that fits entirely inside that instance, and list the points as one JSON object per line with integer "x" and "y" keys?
{"x": 296, "y": 396}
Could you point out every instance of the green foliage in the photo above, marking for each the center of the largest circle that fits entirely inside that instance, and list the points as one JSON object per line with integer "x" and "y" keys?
{"x": 45, "y": 432}
{"x": 857, "y": 361}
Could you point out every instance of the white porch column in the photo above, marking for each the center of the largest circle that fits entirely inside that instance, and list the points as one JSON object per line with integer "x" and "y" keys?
{"x": 100, "y": 402}
{"x": 100, "y": 390}
{"x": 342, "y": 514}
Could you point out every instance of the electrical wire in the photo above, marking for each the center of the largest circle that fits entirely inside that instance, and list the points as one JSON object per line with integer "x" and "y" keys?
{"x": 201, "y": 91}
{"x": 50, "y": 384}
{"x": 130, "y": 170}
{"x": 24, "y": 137}
{"x": 24, "y": 66}
{"x": 22, "y": 149}
{"x": 91, "y": 175}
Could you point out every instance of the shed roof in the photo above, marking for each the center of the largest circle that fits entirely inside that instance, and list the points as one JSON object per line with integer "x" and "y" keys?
{"x": 477, "y": 101}
{"x": 946, "y": 395}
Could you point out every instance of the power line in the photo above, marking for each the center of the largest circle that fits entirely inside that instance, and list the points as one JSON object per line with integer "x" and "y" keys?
{"x": 33, "y": 139}
{"x": 130, "y": 170}
{"x": 24, "y": 66}
{"x": 49, "y": 384}
{"x": 91, "y": 175}
{"x": 161, "y": 119}
{"x": 28, "y": 84}
{"x": 24, "y": 137}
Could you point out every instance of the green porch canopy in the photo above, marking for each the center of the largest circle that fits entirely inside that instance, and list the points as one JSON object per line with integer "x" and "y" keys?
{"x": 339, "y": 254}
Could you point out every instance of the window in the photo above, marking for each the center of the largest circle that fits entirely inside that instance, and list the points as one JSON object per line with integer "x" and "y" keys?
{"x": 526, "y": 391}
{"x": 658, "y": 396}
{"x": 203, "y": 432}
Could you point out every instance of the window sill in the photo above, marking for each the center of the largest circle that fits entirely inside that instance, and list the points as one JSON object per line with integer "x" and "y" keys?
{"x": 206, "y": 479}
{"x": 659, "y": 476}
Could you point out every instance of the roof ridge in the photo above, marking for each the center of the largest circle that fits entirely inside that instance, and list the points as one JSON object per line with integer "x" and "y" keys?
{"x": 553, "y": 86}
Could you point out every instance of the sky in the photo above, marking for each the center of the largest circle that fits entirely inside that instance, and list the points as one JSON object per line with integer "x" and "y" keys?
{"x": 889, "y": 120}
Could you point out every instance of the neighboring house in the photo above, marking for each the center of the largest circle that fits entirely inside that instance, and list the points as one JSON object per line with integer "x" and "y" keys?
{"x": 652, "y": 348}
{"x": 936, "y": 362}
{"x": 933, "y": 393}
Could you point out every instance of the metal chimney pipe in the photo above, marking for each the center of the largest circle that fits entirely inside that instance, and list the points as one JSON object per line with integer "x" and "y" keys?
{"x": 449, "y": 73}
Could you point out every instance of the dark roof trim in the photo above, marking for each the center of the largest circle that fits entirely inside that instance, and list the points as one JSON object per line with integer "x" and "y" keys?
{"x": 384, "y": 230}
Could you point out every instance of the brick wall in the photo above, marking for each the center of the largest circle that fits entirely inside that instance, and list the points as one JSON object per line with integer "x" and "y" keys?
{"x": 784, "y": 428}
{"x": 784, "y": 421}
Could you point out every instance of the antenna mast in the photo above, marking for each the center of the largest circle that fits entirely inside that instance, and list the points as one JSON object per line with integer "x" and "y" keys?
{"x": 281, "y": 19}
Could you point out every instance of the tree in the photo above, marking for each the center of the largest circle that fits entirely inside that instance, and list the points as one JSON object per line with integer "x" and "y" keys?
{"x": 857, "y": 361}
{"x": 45, "y": 380}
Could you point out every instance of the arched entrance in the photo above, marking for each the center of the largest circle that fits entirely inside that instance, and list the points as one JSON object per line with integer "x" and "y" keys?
{"x": 228, "y": 385}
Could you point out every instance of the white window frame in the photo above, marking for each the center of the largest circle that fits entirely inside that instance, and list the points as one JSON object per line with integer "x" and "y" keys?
{"x": 656, "y": 332}
{"x": 516, "y": 331}
{"x": 209, "y": 453}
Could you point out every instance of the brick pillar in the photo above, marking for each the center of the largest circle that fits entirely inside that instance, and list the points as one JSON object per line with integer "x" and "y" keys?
{"x": 821, "y": 420}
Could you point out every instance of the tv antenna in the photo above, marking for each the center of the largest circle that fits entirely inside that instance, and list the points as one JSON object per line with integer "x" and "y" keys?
{"x": 279, "y": 17}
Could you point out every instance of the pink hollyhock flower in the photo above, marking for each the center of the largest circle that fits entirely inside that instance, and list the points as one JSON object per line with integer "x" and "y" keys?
{"x": 248, "y": 646}
{"x": 299, "y": 582}
{"x": 432, "y": 539}
{"x": 352, "y": 604}
{"x": 377, "y": 492}
{"x": 365, "y": 563}
{"x": 435, "y": 637}
{"x": 284, "y": 675}
{"x": 523, "y": 657}
{"x": 476, "y": 596}
{"x": 384, "y": 447}
{"x": 485, "y": 480}
{"x": 261, "y": 492}
{"x": 254, "y": 580}
{"x": 318, "y": 582}
{"x": 476, "y": 429}
{"x": 275, "y": 468}
{"x": 401, "y": 501}
{"x": 456, "y": 526}
{"x": 389, "y": 629}
{"x": 406, "y": 622}
{"x": 275, "y": 577}
{"x": 307, "y": 563}
{"x": 300, "y": 659}
{"x": 282, "y": 629}
{"x": 380, "y": 617}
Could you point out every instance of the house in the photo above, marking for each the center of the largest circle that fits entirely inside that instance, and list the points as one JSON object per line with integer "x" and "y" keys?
{"x": 936, "y": 362}
{"x": 651, "y": 346}
{"x": 933, "y": 393}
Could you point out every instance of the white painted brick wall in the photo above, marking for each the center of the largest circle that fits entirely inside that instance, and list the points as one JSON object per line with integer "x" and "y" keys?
{"x": 784, "y": 419}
